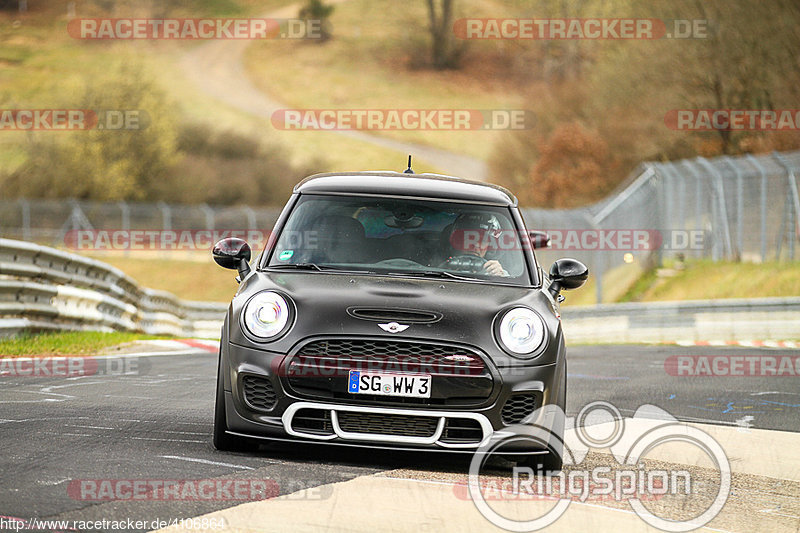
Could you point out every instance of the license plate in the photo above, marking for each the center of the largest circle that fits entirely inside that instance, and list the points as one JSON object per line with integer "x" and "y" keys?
{"x": 417, "y": 385}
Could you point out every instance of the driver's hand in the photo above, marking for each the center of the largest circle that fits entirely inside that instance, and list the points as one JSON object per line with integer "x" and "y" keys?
{"x": 494, "y": 268}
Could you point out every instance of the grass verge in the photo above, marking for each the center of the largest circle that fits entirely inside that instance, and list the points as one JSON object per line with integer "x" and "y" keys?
{"x": 707, "y": 280}
{"x": 66, "y": 343}
{"x": 198, "y": 278}
{"x": 376, "y": 68}
{"x": 37, "y": 70}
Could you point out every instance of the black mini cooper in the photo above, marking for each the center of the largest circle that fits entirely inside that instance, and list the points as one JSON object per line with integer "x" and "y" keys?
{"x": 392, "y": 310}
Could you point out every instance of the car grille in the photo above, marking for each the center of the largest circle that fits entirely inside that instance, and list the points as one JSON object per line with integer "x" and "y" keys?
{"x": 391, "y": 352}
{"x": 320, "y": 370}
{"x": 317, "y": 421}
{"x": 448, "y": 429}
{"x": 385, "y": 356}
{"x": 381, "y": 424}
{"x": 517, "y": 407}
{"x": 259, "y": 392}
{"x": 462, "y": 430}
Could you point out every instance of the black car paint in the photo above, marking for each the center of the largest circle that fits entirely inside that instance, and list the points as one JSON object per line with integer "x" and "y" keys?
{"x": 320, "y": 303}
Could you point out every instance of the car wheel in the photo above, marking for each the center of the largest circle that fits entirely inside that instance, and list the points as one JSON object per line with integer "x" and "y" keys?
{"x": 553, "y": 461}
{"x": 221, "y": 439}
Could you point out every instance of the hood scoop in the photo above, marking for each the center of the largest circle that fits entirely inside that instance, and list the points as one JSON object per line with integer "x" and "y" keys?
{"x": 408, "y": 316}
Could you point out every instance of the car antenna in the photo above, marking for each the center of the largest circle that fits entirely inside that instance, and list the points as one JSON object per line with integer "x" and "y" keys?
{"x": 408, "y": 170}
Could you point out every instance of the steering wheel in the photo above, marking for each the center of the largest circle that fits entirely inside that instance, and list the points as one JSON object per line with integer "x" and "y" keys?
{"x": 466, "y": 263}
{"x": 399, "y": 262}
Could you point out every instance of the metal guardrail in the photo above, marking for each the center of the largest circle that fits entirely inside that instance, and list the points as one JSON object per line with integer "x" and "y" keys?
{"x": 692, "y": 320}
{"x": 42, "y": 288}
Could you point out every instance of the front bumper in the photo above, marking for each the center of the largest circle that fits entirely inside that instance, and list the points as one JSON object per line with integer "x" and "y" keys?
{"x": 445, "y": 426}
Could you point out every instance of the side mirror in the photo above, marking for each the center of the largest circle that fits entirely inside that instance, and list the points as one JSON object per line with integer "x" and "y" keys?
{"x": 539, "y": 239}
{"x": 567, "y": 274}
{"x": 234, "y": 254}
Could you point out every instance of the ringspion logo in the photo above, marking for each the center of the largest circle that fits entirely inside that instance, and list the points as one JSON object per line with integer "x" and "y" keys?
{"x": 629, "y": 440}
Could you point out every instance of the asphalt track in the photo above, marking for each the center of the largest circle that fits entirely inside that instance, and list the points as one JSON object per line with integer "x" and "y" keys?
{"x": 154, "y": 422}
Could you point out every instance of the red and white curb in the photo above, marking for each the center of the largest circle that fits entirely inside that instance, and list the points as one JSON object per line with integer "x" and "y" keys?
{"x": 747, "y": 344}
{"x": 204, "y": 344}
{"x": 208, "y": 345}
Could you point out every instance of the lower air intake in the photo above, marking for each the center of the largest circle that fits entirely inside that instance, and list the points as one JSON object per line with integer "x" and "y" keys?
{"x": 381, "y": 424}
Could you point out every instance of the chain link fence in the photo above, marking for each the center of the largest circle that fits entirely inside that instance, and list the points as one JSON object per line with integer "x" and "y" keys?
{"x": 728, "y": 208}
{"x": 744, "y": 208}
{"x": 49, "y": 222}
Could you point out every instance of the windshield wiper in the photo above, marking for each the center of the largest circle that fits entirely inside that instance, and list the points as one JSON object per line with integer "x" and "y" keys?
{"x": 300, "y": 266}
{"x": 435, "y": 274}
{"x": 318, "y": 268}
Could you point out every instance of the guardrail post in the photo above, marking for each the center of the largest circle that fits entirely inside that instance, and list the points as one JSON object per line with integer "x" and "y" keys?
{"x": 739, "y": 207}
{"x": 608, "y": 209}
{"x": 126, "y": 221}
{"x": 722, "y": 209}
{"x": 664, "y": 207}
{"x": 599, "y": 266}
{"x": 25, "y": 207}
{"x": 679, "y": 199}
{"x": 166, "y": 216}
{"x": 251, "y": 217}
{"x": 77, "y": 220}
{"x": 763, "y": 173}
{"x": 794, "y": 222}
{"x": 598, "y": 276}
{"x": 681, "y": 196}
{"x": 209, "y": 214}
{"x": 698, "y": 198}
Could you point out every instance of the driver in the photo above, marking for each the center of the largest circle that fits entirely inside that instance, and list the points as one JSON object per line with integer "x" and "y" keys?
{"x": 472, "y": 235}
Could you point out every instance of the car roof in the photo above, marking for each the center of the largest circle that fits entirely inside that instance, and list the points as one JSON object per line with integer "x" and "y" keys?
{"x": 434, "y": 186}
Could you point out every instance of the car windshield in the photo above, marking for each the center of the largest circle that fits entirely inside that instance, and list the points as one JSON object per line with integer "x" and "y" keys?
{"x": 405, "y": 237}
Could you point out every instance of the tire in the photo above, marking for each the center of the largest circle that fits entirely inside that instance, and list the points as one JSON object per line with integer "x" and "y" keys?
{"x": 553, "y": 461}
{"x": 222, "y": 440}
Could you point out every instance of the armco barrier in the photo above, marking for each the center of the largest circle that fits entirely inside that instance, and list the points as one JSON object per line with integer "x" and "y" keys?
{"x": 694, "y": 320}
{"x": 42, "y": 288}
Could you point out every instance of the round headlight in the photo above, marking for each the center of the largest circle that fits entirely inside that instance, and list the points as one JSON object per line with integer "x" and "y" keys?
{"x": 521, "y": 330}
{"x": 266, "y": 314}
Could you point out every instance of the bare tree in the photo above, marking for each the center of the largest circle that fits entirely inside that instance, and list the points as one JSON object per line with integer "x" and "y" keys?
{"x": 441, "y": 28}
